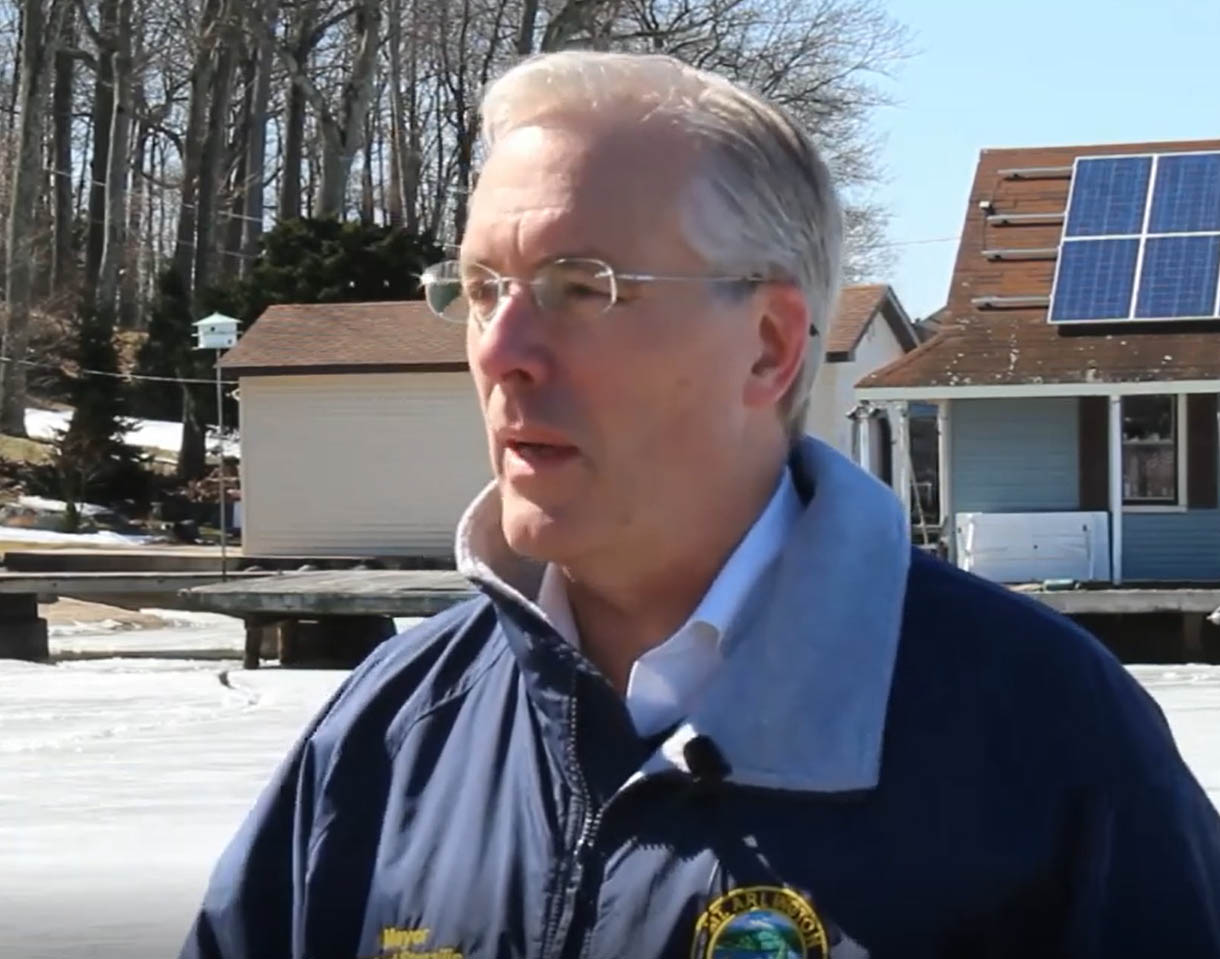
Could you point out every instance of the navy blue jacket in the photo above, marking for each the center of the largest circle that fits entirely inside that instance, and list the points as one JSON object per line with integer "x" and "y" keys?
{"x": 920, "y": 765}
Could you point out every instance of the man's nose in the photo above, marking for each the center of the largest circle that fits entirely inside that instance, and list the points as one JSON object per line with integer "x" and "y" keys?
{"x": 510, "y": 345}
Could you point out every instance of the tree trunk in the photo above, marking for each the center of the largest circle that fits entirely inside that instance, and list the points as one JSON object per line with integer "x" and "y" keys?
{"x": 396, "y": 200}
{"x": 192, "y": 149}
{"x": 103, "y": 123}
{"x": 192, "y": 456}
{"x": 40, "y": 37}
{"x": 294, "y": 134}
{"x": 343, "y": 137}
{"x": 61, "y": 157}
{"x": 206, "y": 230}
{"x": 256, "y": 147}
{"x": 525, "y": 33}
{"x": 137, "y": 213}
{"x": 368, "y": 205}
{"x": 294, "y": 155}
{"x": 465, "y": 167}
{"x": 117, "y": 162}
{"x": 231, "y": 263}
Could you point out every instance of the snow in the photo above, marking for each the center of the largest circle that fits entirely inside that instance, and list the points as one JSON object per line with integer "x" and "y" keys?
{"x": 144, "y": 434}
{"x": 47, "y": 537}
{"x": 121, "y": 780}
{"x": 43, "y": 505}
{"x": 199, "y": 635}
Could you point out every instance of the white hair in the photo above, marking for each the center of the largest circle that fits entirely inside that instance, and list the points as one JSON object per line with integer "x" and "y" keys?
{"x": 763, "y": 201}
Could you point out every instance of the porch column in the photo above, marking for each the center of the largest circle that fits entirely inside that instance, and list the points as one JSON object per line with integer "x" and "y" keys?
{"x": 864, "y": 437}
{"x": 1115, "y": 447}
{"x": 944, "y": 476}
{"x": 900, "y": 444}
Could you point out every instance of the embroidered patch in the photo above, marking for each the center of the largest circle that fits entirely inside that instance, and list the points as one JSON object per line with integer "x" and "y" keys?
{"x": 760, "y": 922}
{"x": 399, "y": 943}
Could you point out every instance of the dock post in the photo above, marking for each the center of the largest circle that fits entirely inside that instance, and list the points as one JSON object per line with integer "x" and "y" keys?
{"x": 255, "y": 628}
{"x": 1192, "y": 638}
{"x": 23, "y": 633}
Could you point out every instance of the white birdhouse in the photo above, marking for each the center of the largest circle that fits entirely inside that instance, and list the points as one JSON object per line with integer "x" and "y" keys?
{"x": 216, "y": 332}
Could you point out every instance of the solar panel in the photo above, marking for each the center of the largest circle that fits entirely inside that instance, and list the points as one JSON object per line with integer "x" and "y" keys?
{"x": 1178, "y": 277}
{"x": 1187, "y": 195}
{"x": 1141, "y": 240}
{"x": 1108, "y": 196}
{"x": 1095, "y": 280}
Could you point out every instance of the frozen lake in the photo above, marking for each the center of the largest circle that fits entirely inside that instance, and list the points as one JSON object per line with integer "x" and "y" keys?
{"x": 121, "y": 779}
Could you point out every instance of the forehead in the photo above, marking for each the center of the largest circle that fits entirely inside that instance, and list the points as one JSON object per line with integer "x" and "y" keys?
{"x": 608, "y": 191}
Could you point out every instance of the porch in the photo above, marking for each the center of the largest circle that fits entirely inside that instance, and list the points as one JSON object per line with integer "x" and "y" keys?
{"x": 1106, "y": 483}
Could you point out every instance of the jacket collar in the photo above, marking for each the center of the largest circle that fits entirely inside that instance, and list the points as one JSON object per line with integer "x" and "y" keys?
{"x": 800, "y": 701}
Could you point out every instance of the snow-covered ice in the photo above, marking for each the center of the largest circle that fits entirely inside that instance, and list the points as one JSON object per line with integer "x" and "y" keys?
{"x": 185, "y": 633}
{"x": 122, "y": 779}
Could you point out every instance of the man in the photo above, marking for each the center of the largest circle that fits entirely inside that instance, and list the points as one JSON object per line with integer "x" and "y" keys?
{"x": 710, "y": 703}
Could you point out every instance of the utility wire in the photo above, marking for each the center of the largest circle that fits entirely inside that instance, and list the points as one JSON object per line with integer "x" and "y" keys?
{"x": 120, "y": 376}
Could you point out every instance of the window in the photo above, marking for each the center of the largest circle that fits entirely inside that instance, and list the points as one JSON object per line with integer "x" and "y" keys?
{"x": 1151, "y": 464}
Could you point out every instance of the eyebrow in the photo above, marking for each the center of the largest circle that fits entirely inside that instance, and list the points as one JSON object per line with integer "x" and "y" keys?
{"x": 579, "y": 253}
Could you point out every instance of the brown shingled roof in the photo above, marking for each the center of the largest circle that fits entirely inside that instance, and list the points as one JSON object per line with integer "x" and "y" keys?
{"x": 1001, "y": 346}
{"x": 857, "y": 304}
{"x": 857, "y": 307}
{"x": 348, "y": 337}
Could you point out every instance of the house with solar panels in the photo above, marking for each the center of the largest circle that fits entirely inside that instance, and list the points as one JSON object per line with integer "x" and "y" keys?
{"x": 1075, "y": 369}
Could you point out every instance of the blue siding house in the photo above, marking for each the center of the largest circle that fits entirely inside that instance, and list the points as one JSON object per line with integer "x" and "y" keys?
{"x": 1075, "y": 369}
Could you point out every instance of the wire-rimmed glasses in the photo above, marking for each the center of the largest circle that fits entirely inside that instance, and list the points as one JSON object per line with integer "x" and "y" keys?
{"x": 579, "y": 288}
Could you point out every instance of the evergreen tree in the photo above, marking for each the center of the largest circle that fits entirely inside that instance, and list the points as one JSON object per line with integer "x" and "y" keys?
{"x": 90, "y": 456}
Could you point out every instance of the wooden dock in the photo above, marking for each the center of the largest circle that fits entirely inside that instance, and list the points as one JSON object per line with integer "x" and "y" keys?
{"x": 332, "y": 617}
{"x": 364, "y": 592}
{"x": 1134, "y": 600}
{"x": 23, "y": 633}
{"x": 336, "y": 614}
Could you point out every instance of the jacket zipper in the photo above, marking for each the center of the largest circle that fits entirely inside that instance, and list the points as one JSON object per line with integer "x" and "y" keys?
{"x": 559, "y": 928}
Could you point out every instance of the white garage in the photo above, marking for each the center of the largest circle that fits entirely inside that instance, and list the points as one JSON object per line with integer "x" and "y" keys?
{"x": 360, "y": 431}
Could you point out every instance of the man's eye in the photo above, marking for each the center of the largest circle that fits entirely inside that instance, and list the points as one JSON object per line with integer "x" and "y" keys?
{"x": 481, "y": 291}
{"x": 585, "y": 291}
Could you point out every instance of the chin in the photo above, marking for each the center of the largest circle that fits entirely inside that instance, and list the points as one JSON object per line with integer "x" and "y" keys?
{"x": 533, "y": 530}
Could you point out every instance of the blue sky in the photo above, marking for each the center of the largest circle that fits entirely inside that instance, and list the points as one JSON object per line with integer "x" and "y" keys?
{"x": 1029, "y": 73}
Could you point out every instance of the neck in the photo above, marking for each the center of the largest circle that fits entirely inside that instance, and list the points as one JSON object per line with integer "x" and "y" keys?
{"x": 624, "y": 609}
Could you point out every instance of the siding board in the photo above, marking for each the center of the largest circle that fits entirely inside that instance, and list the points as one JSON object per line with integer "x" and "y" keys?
{"x": 1015, "y": 455}
{"x": 1172, "y": 546}
{"x": 359, "y": 465}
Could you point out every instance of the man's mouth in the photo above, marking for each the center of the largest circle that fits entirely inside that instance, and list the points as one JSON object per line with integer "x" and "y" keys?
{"x": 535, "y": 455}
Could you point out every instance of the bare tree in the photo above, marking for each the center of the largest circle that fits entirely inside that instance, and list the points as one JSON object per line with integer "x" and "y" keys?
{"x": 118, "y": 160}
{"x": 64, "y": 214}
{"x": 256, "y": 135}
{"x": 341, "y": 128}
{"x": 41, "y": 31}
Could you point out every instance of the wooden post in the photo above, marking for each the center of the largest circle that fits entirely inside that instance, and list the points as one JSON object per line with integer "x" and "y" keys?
{"x": 944, "y": 477}
{"x": 23, "y": 633}
{"x": 864, "y": 440}
{"x": 900, "y": 443}
{"x": 1116, "y": 489}
{"x": 256, "y": 630}
{"x": 1192, "y": 638}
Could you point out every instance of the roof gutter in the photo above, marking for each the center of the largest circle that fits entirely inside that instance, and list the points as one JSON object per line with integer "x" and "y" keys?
{"x": 1024, "y": 390}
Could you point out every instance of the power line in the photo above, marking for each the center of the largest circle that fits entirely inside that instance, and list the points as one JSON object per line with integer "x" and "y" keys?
{"x": 120, "y": 376}
{"x": 933, "y": 239}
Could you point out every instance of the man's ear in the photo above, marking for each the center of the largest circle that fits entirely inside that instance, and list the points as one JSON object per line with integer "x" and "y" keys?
{"x": 782, "y": 324}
